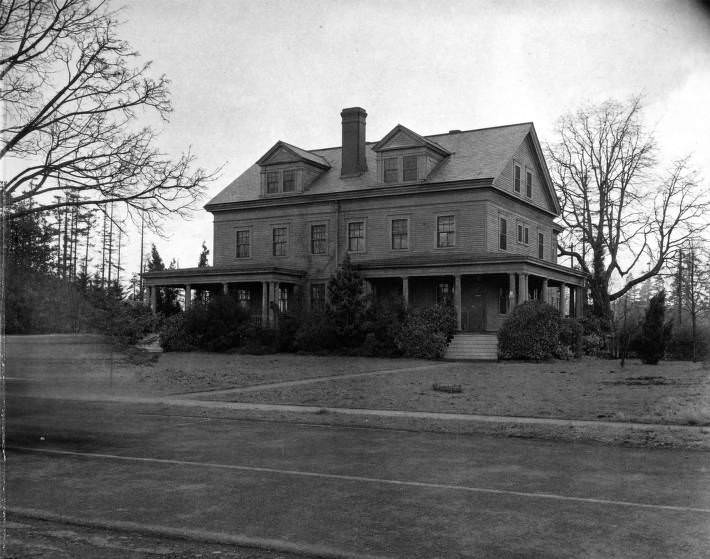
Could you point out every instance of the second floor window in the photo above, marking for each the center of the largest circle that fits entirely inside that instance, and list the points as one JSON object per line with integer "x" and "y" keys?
{"x": 356, "y": 236}
{"x": 317, "y": 296}
{"x": 280, "y": 241}
{"x": 400, "y": 234}
{"x": 318, "y": 242}
{"x": 516, "y": 177}
{"x": 523, "y": 234}
{"x": 540, "y": 246}
{"x": 445, "y": 231}
{"x": 390, "y": 169}
{"x": 409, "y": 168}
{"x": 243, "y": 244}
{"x": 272, "y": 182}
{"x": 503, "y": 234}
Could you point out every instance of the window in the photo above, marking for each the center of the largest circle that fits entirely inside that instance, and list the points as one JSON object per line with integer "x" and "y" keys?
{"x": 318, "y": 241}
{"x": 356, "y": 236}
{"x": 523, "y": 234}
{"x": 443, "y": 292}
{"x": 502, "y": 300}
{"x": 516, "y": 177}
{"x": 243, "y": 244}
{"x": 400, "y": 234}
{"x": 317, "y": 296}
{"x": 445, "y": 231}
{"x": 528, "y": 183}
{"x": 503, "y": 234}
{"x": 540, "y": 246}
{"x": 244, "y": 298}
{"x": 409, "y": 168}
{"x": 279, "y": 241}
{"x": 390, "y": 169}
{"x": 283, "y": 299}
{"x": 272, "y": 182}
{"x": 289, "y": 181}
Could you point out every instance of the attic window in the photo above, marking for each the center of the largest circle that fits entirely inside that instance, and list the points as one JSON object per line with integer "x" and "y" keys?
{"x": 528, "y": 183}
{"x": 391, "y": 169}
{"x": 409, "y": 168}
{"x": 286, "y": 180}
{"x": 516, "y": 177}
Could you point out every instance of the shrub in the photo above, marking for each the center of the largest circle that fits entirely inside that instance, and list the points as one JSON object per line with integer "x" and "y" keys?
{"x": 217, "y": 326}
{"x": 530, "y": 332}
{"x": 347, "y": 304}
{"x": 571, "y": 331}
{"x": 426, "y": 333}
{"x": 383, "y": 322}
{"x": 650, "y": 343}
{"x": 316, "y": 333}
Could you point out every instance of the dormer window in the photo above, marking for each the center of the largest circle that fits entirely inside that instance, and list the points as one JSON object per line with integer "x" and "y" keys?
{"x": 272, "y": 182}
{"x": 410, "y": 168}
{"x": 391, "y": 169}
{"x": 289, "y": 180}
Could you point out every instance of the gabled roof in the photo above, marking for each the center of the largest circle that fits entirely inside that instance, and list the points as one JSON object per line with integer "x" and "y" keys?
{"x": 473, "y": 155}
{"x": 296, "y": 152}
{"x": 415, "y": 138}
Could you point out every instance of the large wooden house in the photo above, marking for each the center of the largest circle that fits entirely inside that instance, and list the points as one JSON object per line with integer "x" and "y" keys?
{"x": 466, "y": 215}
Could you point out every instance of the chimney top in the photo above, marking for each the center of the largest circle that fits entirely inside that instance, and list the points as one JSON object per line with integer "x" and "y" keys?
{"x": 353, "y": 154}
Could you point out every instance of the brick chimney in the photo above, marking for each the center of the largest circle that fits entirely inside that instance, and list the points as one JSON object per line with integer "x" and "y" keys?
{"x": 353, "y": 163}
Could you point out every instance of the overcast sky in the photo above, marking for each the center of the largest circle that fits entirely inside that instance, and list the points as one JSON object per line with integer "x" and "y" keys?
{"x": 248, "y": 73}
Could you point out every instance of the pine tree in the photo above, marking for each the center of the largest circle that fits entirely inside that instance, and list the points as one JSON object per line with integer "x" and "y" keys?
{"x": 203, "y": 256}
{"x": 655, "y": 331}
{"x": 166, "y": 300}
{"x": 347, "y": 303}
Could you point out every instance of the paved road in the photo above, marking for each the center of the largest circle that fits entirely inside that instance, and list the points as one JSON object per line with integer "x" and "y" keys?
{"x": 344, "y": 491}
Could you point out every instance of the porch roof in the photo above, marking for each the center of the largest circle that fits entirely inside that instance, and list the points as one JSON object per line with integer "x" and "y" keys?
{"x": 212, "y": 275}
{"x": 448, "y": 264}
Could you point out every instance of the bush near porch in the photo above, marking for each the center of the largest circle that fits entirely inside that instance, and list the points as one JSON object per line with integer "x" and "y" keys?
{"x": 533, "y": 332}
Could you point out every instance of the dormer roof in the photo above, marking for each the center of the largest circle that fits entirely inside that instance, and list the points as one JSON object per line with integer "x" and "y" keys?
{"x": 281, "y": 152}
{"x": 401, "y": 137}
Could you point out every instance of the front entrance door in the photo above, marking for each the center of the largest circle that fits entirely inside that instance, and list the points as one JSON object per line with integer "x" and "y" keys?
{"x": 473, "y": 313}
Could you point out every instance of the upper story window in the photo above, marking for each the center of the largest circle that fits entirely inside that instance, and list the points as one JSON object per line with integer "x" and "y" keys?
{"x": 410, "y": 169}
{"x": 391, "y": 169}
{"x": 279, "y": 241}
{"x": 318, "y": 239}
{"x": 289, "y": 180}
{"x": 445, "y": 231}
{"x": 356, "y": 236}
{"x": 541, "y": 246}
{"x": 317, "y": 296}
{"x": 400, "y": 234}
{"x": 528, "y": 183}
{"x": 516, "y": 177}
{"x": 243, "y": 246}
{"x": 503, "y": 234}
{"x": 523, "y": 234}
{"x": 272, "y": 182}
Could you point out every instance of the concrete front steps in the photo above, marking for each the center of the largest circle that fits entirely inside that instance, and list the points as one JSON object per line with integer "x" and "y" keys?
{"x": 480, "y": 347}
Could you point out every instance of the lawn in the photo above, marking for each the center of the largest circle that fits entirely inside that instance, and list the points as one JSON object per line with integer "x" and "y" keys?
{"x": 673, "y": 392}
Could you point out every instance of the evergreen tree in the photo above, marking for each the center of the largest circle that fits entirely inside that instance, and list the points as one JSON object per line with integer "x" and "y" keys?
{"x": 203, "y": 256}
{"x": 347, "y": 303}
{"x": 167, "y": 298}
{"x": 655, "y": 331}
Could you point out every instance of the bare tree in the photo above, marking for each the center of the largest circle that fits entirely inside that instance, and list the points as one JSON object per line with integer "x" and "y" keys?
{"x": 73, "y": 101}
{"x": 618, "y": 211}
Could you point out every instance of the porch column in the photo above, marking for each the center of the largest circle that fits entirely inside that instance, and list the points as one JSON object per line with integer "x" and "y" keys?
{"x": 563, "y": 299}
{"x": 457, "y": 300}
{"x": 405, "y": 290}
{"x": 264, "y": 303}
{"x": 522, "y": 288}
{"x": 543, "y": 297}
{"x": 275, "y": 300}
{"x": 512, "y": 300}
{"x": 153, "y": 298}
{"x": 188, "y": 296}
{"x": 225, "y": 288}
